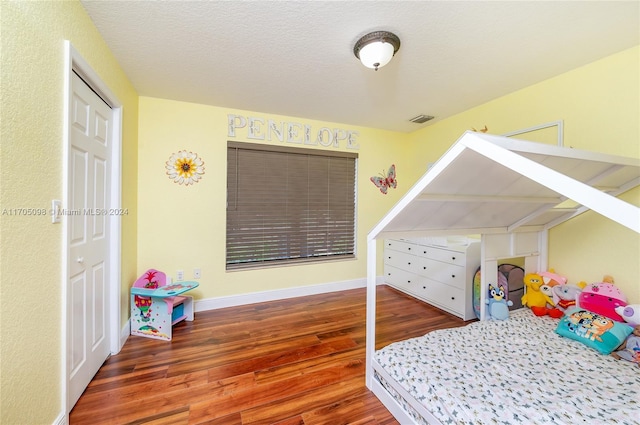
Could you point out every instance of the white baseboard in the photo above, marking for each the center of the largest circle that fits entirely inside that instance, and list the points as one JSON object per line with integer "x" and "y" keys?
{"x": 280, "y": 294}
{"x": 62, "y": 419}
{"x": 124, "y": 333}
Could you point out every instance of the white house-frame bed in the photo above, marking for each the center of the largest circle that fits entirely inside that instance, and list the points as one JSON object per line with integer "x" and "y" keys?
{"x": 511, "y": 192}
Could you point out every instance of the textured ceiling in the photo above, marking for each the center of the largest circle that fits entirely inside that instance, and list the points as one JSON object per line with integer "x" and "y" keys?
{"x": 296, "y": 58}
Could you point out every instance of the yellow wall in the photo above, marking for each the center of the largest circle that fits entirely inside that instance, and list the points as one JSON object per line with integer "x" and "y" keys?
{"x": 600, "y": 107}
{"x": 183, "y": 227}
{"x": 33, "y": 35}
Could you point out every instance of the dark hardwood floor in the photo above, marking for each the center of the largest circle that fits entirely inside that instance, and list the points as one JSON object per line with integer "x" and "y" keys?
{"x": 289, "y": 362}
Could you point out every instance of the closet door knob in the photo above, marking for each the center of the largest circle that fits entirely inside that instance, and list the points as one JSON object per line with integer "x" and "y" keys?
{"x": 80, "y": 260}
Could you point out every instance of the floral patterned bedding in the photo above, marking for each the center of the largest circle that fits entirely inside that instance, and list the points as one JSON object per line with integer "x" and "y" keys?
{"x": 517, "y": 371}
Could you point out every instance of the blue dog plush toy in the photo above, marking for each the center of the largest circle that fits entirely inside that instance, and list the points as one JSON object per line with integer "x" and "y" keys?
{"x": 498, "y": 305}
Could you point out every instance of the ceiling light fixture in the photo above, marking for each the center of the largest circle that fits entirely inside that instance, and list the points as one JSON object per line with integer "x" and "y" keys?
{"x": 376, "y": 48}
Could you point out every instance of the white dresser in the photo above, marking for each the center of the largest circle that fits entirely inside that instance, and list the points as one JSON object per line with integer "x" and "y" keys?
{"x": 439, "y": 275}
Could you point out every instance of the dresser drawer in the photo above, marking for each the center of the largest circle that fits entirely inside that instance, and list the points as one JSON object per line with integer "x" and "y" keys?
{"x": 402, "y": 261}
{"x": 441, "y": 254}
{"x": 401, "y": 246}
{"x": 444, "y": 296}
{"x": 401, "y": 279}
{"x": 447, "y": 273}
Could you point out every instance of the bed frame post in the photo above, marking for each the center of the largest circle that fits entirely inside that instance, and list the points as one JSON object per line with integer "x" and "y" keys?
{"x": 371, "y": 309}
{"x": 543, "y": 250}
{"x": 489, "y": 267}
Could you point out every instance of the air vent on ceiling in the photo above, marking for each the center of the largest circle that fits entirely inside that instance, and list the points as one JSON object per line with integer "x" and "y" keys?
{"x": 421, "y": 118}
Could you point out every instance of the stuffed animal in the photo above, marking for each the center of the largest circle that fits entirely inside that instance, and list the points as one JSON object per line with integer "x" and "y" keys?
{"x": 552, "y": 278}
{"x": 630, "y": 313}
{"x": 537, "y": 300}
{"x": 603, "y": 298}
{"x": 629, "y": 350}
{"x": 498, "y": 305}
{"x": 567, "y": 295}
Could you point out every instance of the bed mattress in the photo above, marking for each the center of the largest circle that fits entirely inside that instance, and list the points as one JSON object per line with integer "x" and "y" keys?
{"x": 517, "y": 371}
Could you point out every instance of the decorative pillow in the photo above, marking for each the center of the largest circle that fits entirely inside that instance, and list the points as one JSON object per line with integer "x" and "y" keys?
{"x": 593, "y": 330}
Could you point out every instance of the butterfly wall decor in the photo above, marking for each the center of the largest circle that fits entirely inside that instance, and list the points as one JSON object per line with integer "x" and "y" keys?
{"x": 384, "y": 183}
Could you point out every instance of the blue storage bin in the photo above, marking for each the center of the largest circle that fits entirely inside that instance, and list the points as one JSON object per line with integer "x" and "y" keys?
{"x": 178, "y": 312}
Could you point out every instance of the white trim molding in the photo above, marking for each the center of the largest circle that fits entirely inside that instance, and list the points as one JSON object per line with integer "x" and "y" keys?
{"x": 125, "y": 332}
{"x": 279, "y": 294}
{"x": 560, "y": 133}
{"x": 62, "y": 419}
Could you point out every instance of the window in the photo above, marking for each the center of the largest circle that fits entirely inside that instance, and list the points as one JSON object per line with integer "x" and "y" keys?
{"x": 287, "y": 205}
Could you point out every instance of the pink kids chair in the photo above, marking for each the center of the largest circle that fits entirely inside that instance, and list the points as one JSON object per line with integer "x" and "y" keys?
{"x": 156, "y": 306}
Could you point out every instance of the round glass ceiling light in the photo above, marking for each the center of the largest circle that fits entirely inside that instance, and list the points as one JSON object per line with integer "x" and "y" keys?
{"x": 376, "y": 48}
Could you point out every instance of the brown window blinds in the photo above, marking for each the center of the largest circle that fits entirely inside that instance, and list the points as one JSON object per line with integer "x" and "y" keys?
{"x": 287, "y": 205}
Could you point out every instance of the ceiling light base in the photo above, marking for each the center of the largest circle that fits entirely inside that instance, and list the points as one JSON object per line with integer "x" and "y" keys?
{"x": 376, "y": 48}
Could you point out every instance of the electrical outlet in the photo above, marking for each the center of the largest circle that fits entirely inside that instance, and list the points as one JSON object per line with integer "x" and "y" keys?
{"x": 197, "y": 273}
{"x": 180, "y": 275}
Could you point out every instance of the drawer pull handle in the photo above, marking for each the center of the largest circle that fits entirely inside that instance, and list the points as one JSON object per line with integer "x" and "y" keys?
{"x": 453, "y": 258}
{"x": 424, "y": 252}
{"x": 409, "y": 248}
{"x": 424, "y": 287}
{"x": 424, "y": 267}
{"x": 408, "y": 281}
{"x": 453, "y": 298}
{"x": 453, "y": 275}
{"x": 409, "y": 263}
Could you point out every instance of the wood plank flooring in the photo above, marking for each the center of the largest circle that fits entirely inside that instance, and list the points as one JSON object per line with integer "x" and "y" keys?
{"x": 299, "y": 361}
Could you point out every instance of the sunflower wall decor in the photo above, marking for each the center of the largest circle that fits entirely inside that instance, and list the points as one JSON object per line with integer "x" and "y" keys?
{"x": 185, "y": 168}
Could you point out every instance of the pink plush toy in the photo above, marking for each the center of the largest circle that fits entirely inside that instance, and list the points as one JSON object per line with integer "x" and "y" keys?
{"x": 550, "y": 281}
{"x": 603, "y": 298}
{"x": 551, "y": 278}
